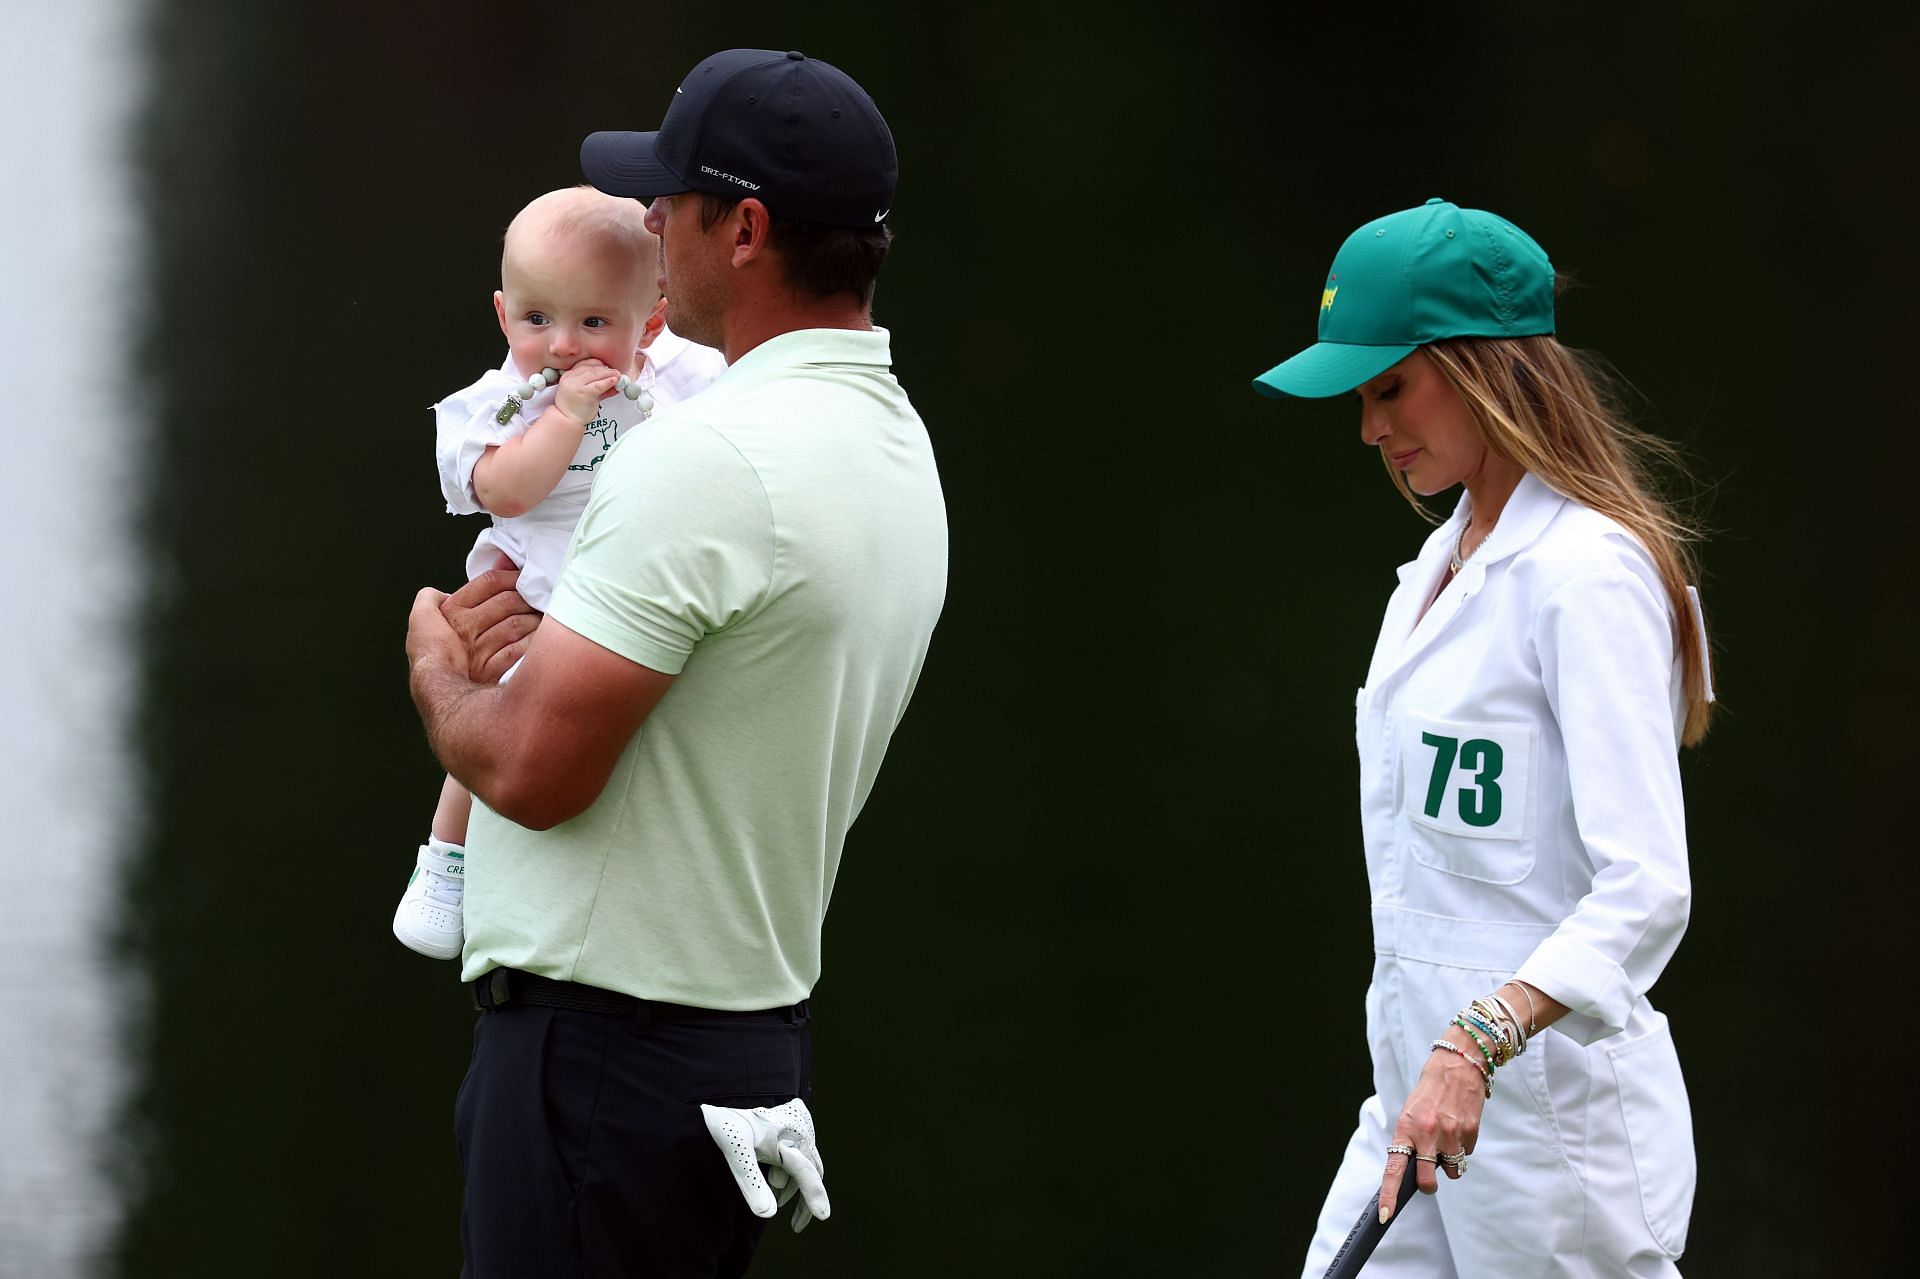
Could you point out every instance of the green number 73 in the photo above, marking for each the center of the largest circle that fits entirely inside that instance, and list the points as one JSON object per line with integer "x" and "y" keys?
{"x": 1480, "y": 798}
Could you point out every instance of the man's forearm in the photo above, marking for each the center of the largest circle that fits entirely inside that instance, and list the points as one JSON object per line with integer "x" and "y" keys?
{"x": 481, "y": 630}
{"x": 457, "y": 714}
{"x": 540, "y": 751}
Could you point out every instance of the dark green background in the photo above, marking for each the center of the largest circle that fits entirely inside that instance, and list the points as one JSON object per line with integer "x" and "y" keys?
{"x": 1094, "y": 968}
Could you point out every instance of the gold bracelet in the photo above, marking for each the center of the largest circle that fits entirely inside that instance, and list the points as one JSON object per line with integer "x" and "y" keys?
{"x": 1533, "y": 1020}
{"x": 1512, "y": 1019}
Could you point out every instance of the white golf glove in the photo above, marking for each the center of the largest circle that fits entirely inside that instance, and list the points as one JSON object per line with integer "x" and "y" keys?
{"x": 782, "y": 1139}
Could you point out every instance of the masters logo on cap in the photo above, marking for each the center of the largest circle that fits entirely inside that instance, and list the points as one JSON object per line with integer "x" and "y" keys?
{"x": 1414, "y": 277}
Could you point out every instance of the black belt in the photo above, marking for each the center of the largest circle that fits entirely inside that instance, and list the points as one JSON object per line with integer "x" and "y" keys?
{"x": 503, "y": 986}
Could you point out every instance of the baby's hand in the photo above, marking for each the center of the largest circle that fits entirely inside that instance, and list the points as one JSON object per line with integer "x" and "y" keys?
{"x": 581, "y": 389}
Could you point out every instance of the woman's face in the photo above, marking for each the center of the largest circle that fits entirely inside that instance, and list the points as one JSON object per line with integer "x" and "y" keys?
{"x": 1412, "y": 414}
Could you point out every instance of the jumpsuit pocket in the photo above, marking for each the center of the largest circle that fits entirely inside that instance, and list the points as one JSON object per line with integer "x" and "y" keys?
{"x": 1488, "y": 861}
{"x": 1467, "y": 791}
{"x": 1659, "y": 1126}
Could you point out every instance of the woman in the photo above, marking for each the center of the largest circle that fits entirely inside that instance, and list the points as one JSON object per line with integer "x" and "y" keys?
{"x": 1537, "y": 668}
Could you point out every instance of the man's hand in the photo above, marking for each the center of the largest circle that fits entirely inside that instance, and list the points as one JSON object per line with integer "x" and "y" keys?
{"x": 781, "y": 1138}
{"x": 430, "y": 639}
{"x": 490, "y": 619}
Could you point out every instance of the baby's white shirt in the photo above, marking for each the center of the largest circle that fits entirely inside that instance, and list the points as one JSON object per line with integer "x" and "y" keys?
{"x": 466, "y": 425}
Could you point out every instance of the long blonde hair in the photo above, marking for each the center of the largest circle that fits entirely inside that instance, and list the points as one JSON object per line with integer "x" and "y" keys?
{"x": 1554, "y": 411}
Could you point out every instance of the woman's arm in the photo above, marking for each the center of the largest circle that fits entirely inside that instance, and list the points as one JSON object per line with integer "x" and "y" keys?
{"x": 1605, "y": 643}
{"x": 1442, "y": 1115}
{"x": 512, "y": 478}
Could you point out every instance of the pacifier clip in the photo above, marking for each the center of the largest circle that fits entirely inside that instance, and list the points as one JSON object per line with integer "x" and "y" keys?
{"x": 547, "y": 377}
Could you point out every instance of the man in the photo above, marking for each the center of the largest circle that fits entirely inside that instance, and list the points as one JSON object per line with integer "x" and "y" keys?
{"x": 667, "y": 779}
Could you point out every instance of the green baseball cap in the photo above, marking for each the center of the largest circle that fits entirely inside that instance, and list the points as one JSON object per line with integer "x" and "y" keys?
{"x": 1414, "y": 277}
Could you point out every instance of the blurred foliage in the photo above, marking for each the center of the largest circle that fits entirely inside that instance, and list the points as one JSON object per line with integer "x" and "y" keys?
{"x": 1102, "y": 933}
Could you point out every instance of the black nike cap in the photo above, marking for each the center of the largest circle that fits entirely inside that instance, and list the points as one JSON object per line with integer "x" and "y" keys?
{"x": 794, "y": 132}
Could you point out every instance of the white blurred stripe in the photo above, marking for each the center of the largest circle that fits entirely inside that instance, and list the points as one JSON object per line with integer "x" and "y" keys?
{"x": 71, "y": 446}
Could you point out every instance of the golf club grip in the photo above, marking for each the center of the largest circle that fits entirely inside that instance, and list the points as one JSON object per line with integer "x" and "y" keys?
{"x": 1366, "y": 1233}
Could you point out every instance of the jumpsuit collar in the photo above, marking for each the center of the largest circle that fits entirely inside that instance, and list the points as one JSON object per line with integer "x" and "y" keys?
{"x": 1407, "y": 632}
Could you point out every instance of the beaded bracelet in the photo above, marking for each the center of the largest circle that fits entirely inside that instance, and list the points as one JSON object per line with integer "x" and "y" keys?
{"x": 1504, "y": 1017}
{"x": 1503, "y": 1050}
{"x": 1504, "y": 1029}
{"x": 1486, "y": 1076}
{"x": 1501, "y": 1053}
{"x": 1473, "y": 1035}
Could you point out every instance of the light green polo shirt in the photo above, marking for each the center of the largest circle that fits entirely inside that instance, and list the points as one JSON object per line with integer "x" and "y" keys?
{"x": 779, "y": 543}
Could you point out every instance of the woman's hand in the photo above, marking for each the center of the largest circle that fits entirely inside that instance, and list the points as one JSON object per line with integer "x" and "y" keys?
{"x": 1442, "y": 1117}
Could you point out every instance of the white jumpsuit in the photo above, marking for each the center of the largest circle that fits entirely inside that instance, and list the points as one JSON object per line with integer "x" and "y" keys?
{"x": 1520, "y": 798}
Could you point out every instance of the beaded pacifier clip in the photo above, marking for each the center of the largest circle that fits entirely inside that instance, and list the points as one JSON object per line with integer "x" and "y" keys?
{"x": 547, "y": 377}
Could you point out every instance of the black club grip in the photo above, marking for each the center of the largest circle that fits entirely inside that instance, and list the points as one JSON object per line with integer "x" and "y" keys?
{"x": 1367, "y": 1232}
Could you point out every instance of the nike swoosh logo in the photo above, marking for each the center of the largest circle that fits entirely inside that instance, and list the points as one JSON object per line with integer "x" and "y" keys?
{"x": 882, "y": 215}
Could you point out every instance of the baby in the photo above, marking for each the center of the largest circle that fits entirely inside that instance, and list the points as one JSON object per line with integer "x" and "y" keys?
{"x": 588, "y": 358}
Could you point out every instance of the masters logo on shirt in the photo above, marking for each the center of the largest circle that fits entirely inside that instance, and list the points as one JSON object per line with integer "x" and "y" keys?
{"x": 609, "y": 431}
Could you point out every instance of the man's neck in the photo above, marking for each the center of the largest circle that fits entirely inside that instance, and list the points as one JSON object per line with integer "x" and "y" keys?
{"x": 749, "y": 326}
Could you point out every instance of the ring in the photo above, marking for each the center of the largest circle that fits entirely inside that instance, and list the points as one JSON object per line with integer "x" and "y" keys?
{"x": 1432, "y": 1159}
{"x": 1458, "y": 1163}
{"x": 1399, "y": 1150}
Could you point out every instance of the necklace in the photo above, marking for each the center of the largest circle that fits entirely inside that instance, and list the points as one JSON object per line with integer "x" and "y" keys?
{"x": 547, "y": 377}
{"x": 1460, "y": 560}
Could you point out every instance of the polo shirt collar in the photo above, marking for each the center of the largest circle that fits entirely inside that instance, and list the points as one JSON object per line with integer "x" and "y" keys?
{"x": 819, "y": 346}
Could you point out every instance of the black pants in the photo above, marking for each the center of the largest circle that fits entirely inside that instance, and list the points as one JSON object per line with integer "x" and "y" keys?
{"x": 584, "y": 1148}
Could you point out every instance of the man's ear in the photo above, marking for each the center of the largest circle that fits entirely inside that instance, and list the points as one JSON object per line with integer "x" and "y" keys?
{"x": 500, "y": 310}
{"x": 752, "y": 225}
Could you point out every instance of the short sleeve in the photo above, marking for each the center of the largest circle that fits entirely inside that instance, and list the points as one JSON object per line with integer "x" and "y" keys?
{"x": 467, "y": 423}
{"x": 676, "y": 544}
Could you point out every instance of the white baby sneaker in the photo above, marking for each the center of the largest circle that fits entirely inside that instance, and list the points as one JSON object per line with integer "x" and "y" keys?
{"x": 428, "y": 919}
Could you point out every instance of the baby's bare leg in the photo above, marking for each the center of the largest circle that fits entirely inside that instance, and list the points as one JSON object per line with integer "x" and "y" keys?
{"x": 450, "y": 816}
